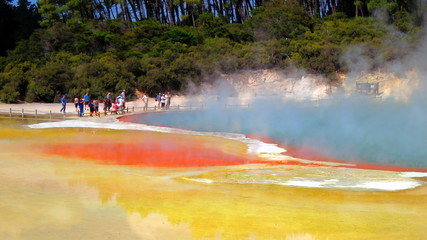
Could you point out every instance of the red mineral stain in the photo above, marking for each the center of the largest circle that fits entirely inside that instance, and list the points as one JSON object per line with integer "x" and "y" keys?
{"x": 192, "y": 155}
{"x": 151, "y": 155}
{"x": 313, "y": 155}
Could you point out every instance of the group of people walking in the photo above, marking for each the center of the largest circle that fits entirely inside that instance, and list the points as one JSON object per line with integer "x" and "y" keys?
{"x": 85, "y": 103}
{"x": 163, "y": 100}
{"x": 112, "y": 105}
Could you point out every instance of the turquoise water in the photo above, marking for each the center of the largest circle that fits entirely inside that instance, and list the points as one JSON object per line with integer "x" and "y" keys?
{"x": 351, "y": 129}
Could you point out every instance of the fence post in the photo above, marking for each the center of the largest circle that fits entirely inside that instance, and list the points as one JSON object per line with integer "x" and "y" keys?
{"x": 22, "y": 113}
{"x": 155, "y": 107}
{"x": 133, "y": 108}
{"x": 50, "y": 114}
{"x": 127, "y": 109}
{"x": 10, "y": 112}
{"x": 36, "y": 113}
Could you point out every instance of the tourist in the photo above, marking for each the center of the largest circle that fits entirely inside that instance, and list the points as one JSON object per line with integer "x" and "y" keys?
{"x": 108, "y": 101}
{"x": 81, "y": 107}
{"x": 123, "y": 96}
{"x": 120, "y": 96}
{"x": 145, "y": 101}
{"x": 87, "y": 100}
{"x": 64, "y": 103}
{"x": 91, "y": 107}
{"x": 163, "y": 100}
{"x": 114, "y": 108}
{"x": 121, "y": 103}
{"x": 158, "y": 99}
{"x": 76, "y": 103}
{"x": 168, "y": 100}
{"x": 107, "y": 104}
{"x": 96, "y": 107}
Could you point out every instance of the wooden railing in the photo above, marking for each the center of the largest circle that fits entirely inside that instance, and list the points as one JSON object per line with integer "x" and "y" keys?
{"x": 32, "y": 114}
{"x": 36, "y": 114}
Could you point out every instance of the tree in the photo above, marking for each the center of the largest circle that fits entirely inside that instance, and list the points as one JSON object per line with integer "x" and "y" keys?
{"x": 14, "y": 81}
{"x": 6, "y": 27}
{"x": 109, "y": 45}
{"x": 16, "y": 23}
{"x": 280, "y": 19}
{"x": 49, "y": 82}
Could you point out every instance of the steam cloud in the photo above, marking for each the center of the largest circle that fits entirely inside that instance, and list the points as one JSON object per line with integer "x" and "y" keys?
{"x": 392, "y": 130}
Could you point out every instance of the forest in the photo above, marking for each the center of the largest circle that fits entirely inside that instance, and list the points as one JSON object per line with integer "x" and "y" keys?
{"x": 57, "y": 47}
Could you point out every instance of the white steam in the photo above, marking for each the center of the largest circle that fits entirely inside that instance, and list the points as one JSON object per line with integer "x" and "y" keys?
{"x": 303, "y": 111}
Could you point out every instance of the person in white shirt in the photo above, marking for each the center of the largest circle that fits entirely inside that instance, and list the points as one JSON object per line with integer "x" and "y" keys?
{"x": 145, "y": 101}
{"x": 121, "y": 102}
{"x": 163, "y": 101}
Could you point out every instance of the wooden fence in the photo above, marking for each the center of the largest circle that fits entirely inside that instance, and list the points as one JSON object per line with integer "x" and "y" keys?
{"x": 36, "y": 114}
{"x": 33, "y": 114}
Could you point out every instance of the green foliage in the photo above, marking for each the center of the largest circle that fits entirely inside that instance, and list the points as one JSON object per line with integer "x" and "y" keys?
{"x": 9, "y": 93}
{"x": 403, "y": 21}
{"x": 50, "y": 12}
{"x": 76, "y": 53}
{"x": 49, "y": 82}
{"x": 239, "y": 33}
{"x": 389, "y": 6}
{"x": 212, "y": 26}
{"x": 181, "y": 35}
{"x": 100, "y": 76}
{"x": 280, "y": 19}
{"x": 14, "y": 81}
{"x": 149, "y": 29}
{"x": 262, "y": 54}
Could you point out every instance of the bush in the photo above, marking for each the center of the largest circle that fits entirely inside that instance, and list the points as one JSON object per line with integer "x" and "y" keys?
{"x": 48, "y": 81}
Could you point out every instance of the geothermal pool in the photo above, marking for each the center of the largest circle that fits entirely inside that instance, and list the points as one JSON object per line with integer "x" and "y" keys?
{"x": 122, "y": 180}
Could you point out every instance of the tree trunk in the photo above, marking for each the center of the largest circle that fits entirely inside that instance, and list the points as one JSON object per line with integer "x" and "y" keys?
{"x": 140, "y": 10}
{"x": 171, "y": 12}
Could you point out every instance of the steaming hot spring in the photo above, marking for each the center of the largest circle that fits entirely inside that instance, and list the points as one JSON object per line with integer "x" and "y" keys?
{"x": 343, "y": 142}
{"x": 252, "y": 166}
